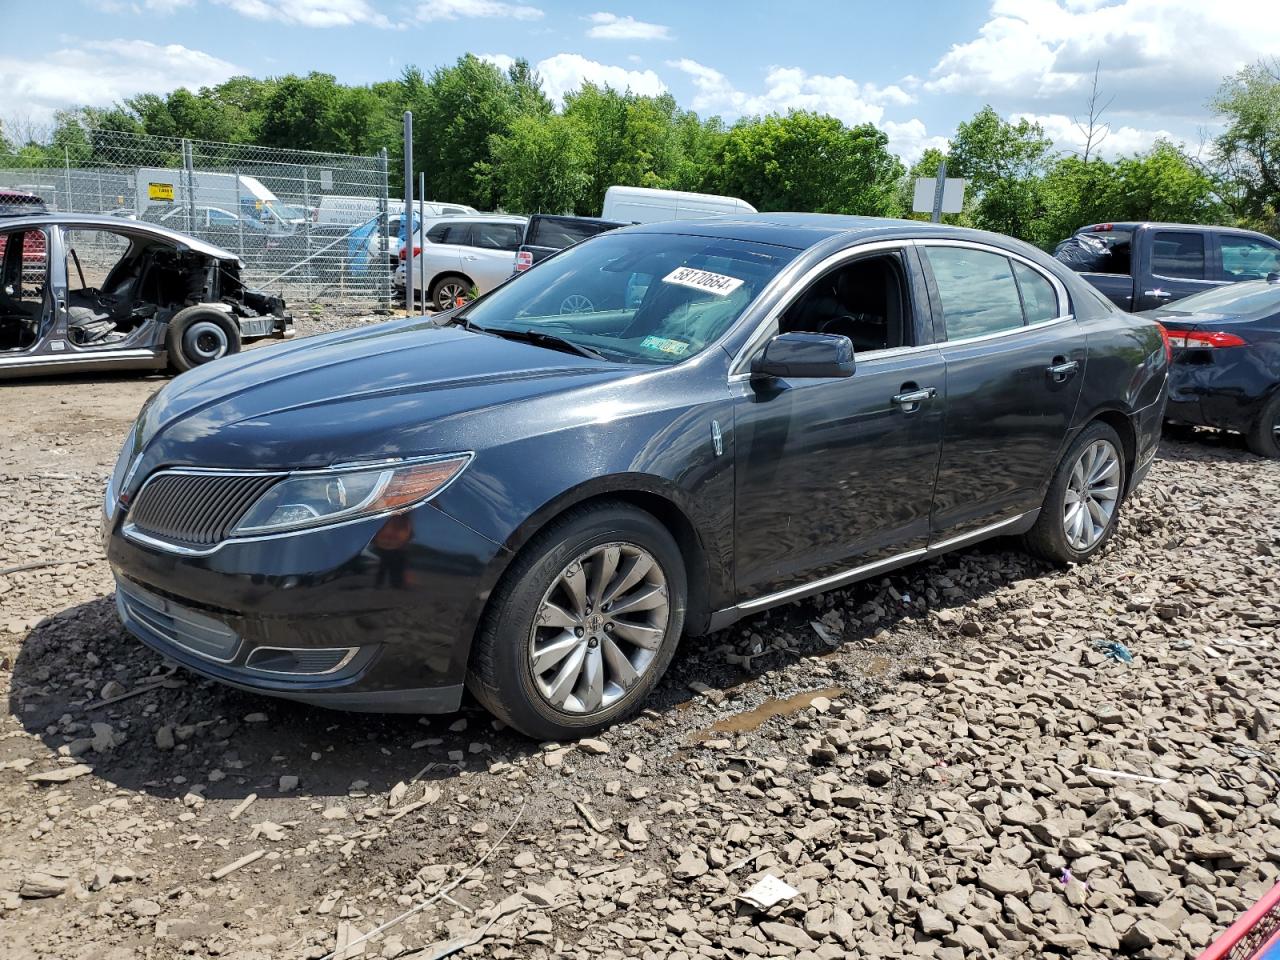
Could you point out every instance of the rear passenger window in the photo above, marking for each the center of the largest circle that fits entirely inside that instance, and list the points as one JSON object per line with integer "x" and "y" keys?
{"x": 454, "y": 233}
{"x": 1178, "y": 255}
{"x": 978, "y": 292}
{"x": 497, "y": 236}
{"x": 1244, "y": 258}
{"x": 1039, "y": 300}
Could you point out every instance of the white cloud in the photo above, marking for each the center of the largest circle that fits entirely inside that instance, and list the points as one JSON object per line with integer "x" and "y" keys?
{"x": 1163, "y": 56}
{"x": 566, "y": 72}
{"x": 502, "y": 61}
{"x": 98, "y": 73}
{"x": 311, "y": 13}
{"x": 910, "y": 139}
{"x": 430, "y": 10}
{"x": 145, "y": 6}
{"x": 1119, "y": 140}
{"x": 610, "y": 26}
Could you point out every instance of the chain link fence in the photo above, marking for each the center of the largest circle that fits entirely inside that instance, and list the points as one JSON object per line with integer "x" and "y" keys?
{"x": 312, "y": 227}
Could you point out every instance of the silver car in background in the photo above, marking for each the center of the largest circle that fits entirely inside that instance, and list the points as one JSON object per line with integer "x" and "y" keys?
{"x": 462, "y": 255}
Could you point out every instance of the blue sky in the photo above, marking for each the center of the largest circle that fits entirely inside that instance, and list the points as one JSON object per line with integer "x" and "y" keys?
{"x": 913, "y": 67}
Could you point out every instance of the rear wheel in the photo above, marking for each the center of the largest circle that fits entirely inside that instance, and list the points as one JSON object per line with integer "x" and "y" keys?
{"x": 199, "y": 335}
{"x": 1264, "y": 436}
{"x": 583, "y": 625}
{"x": 1083, "y": 503}
{"x": 447, "y": 289}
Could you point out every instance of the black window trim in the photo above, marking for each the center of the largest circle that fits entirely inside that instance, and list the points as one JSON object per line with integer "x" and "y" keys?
{"x": 1210, "y": 245}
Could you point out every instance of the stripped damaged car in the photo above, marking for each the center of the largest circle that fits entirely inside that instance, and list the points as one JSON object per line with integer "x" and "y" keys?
{"x": 93, "y": 292}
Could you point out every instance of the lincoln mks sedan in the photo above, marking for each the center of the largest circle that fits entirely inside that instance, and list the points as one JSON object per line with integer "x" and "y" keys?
{"x": 649, "y": 435}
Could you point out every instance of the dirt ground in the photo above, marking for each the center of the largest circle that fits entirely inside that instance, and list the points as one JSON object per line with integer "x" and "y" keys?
{"x": 938, "y": 763}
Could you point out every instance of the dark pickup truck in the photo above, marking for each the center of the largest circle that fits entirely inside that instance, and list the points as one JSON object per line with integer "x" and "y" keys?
{"x": 1140, "y": 266}
{"x": 546, "y": 234}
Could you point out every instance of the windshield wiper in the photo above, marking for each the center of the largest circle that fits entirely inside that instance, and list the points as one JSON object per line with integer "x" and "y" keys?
{"x": 548, "y": 340}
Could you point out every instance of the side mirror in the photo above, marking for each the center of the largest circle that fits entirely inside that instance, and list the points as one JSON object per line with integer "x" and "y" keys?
{"x": 794, "y": 356}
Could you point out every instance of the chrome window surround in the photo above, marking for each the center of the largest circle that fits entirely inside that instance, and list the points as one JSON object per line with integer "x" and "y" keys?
{"x": 739, "y": 371}
{"x": 137, "y": 536}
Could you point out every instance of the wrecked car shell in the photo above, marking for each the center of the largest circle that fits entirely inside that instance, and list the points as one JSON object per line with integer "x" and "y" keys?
{"x": 164, "y": 298}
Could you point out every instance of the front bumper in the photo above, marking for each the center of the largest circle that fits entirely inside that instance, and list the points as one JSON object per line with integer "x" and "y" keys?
{"x": 374, "y": 615}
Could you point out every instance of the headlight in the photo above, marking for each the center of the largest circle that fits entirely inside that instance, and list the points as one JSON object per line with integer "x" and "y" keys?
{"x": 329, "y": 496}
{"x": 120, "y": 473}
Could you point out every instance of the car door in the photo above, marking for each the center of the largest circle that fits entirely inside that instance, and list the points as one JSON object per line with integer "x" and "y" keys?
{"x": 490, "y": 254}
{"x": 1178, "y": 266}
{"x": 27, "y": 296}
{"x": 833, "y": 474}
{"x": 1014, "y": 360}
{"x": 442, "y": 252}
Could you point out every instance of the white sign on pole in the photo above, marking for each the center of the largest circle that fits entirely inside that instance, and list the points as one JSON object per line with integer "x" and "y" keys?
{"x": 952, "y": 195}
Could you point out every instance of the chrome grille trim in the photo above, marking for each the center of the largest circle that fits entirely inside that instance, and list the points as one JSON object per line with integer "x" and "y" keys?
{"x": 195, "y": 508}
{"x": 176, "y": 624}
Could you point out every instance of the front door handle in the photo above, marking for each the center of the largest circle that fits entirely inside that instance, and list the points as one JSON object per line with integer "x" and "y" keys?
{"x": 471, "y": 256}
{"x": 1156, "y": 293}
{"x": 1062, "y": 369}
{"x": 911, "y": 399}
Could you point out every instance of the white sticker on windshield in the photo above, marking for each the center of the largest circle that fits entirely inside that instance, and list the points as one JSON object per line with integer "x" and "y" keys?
{"x": 716, "y": 283}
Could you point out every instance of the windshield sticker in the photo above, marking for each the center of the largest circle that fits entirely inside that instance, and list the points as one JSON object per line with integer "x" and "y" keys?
{"x": 663, "y": 345}
{"x": 716, "y": 283}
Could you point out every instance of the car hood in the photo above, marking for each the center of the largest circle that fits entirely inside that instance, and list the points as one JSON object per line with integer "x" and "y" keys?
{"x": 404, "y": 388}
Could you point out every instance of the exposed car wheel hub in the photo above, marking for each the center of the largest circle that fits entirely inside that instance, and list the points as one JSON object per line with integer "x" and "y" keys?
{"x": 205, "y": 341}
{"x": 1091, "y": 494}
{"x": 599, "y": 628}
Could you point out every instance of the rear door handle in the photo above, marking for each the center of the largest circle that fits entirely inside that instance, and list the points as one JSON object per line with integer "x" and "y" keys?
{"x": 913, "y": 398}
{"x": 1155, "y": 293}
{"x": 1062, "y": 369}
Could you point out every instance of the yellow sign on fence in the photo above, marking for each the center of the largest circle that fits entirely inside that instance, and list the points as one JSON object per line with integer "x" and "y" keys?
{"x": 160, "y": 191}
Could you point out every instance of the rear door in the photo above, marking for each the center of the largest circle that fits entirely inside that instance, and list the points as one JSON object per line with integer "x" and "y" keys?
{"x": 1178, "y": 264}
{"x": 490, "y": 256}
{"x": 1014, "y": 362}
{"x": 441, "y": 252}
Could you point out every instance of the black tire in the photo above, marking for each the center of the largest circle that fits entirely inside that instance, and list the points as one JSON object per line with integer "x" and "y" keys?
{"x": 446, "y": 287}
{"x": 1264, "y": 436}
{"x": 1049, "y": 538}
{"x": 501, "y": 674}
{"x": 200, "y": 335}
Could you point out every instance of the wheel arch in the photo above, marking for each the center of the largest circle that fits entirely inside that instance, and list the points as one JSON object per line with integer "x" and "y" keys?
{"x": 448, "y": 273}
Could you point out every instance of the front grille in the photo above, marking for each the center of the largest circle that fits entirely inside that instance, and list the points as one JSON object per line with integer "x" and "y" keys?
{"x": 175, "y": 623}
{"x": 197, "y": 509}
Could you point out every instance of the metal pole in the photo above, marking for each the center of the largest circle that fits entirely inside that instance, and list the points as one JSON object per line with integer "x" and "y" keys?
{"x": 239, "y": 216}
{"x": 381, "y": 274}
{"x": 66, "y": 176}
{"x": 422, "y": 225}
{"x": 408, "y": 210}
{"x": 936, "y": 216}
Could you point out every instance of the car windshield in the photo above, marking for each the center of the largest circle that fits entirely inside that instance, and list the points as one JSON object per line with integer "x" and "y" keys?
{"x": 652, "y": 298}
{"x": 1250, "y": 300}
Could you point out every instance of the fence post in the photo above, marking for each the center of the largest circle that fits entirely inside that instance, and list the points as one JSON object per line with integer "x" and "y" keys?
{"x": 239, "y": 217}
{"x": 188, "y": 165}
{"x": 407, "y": 250}
{"x": 306, "y": 230}
{"x": 422, "y": 225}
{"x": 66, "y": 177}
{"x": 381, "y": 271}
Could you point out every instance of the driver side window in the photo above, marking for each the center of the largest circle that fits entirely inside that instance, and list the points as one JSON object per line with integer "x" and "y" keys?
{"x": 865, "y": 300}
{"x": 92, "y": 256}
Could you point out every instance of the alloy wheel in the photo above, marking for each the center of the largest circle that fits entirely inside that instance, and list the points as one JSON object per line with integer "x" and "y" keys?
{"x": 448, "y": 294}
{"x": 599, "y": 628}
{"x": 1091, "y": 495}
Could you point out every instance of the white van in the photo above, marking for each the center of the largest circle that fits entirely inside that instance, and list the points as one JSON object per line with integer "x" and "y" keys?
{"x": 336, "y": 208}
{"x": 646, "y": 205}
{"x": 163, "y": 189}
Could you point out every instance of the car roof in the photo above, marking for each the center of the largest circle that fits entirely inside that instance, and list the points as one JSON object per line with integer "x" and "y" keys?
{"x": 1165, "y": 225}
{"x": 803, "y": 230}
{"x": 570, "y": 218}
{"x": 120, "y": 225}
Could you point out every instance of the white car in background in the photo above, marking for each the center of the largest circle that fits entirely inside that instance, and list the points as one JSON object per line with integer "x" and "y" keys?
{"x": 461, "y": 254}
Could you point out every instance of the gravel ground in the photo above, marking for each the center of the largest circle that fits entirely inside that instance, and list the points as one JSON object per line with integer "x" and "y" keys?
{"x": 934, "y": 762}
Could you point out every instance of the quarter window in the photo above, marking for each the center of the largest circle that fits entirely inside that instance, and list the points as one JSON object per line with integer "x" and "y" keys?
{"x": 1039, "y": 300}
{"x": 451, "y": 233}
{"x": 1244, "y": 258}
{"x": 978, "y": 292}
{"x": 1178, "y": 255}
{"x": 497, "y": 236}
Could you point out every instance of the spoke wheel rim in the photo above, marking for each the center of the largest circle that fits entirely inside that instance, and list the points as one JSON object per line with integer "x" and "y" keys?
{"x": 576, "y": 303}
{"x": 448, "y": 295}
{"x": 1093, "y": 490}
{"x": 599, "y": 628}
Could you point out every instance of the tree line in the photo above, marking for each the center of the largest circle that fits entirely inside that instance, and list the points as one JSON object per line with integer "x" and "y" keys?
{"x": 492, "y": 138}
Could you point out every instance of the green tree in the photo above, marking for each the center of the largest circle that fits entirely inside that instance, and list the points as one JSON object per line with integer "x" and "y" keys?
{"x": 1005, "y": 164}
{"x": 807, "y": 161}
{"x": 541, "y": 165}
{"x": 1247, "y": 153}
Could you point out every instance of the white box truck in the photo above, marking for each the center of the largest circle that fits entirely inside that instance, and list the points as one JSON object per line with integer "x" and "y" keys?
{"x": 647, "y": 205}
{"x": 162, "y": 192}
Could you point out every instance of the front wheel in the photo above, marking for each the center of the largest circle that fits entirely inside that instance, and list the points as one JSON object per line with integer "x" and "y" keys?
{"x": 199, "y": 335}
{"x": 1082, "y": 506}
{"x": 1264, "y": 436}
{"x": 583, "y": 625}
